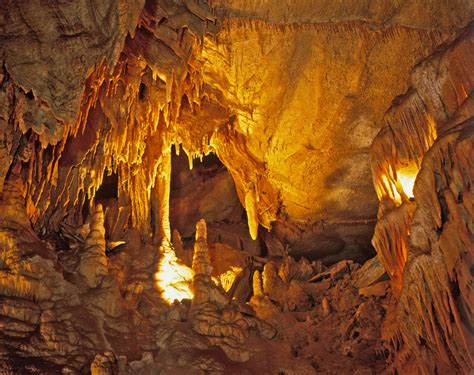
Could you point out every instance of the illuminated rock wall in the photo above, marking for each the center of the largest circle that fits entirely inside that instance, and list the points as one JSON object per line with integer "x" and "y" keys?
{"x": 292, "y": 123}
{"x": 426, "y": 245}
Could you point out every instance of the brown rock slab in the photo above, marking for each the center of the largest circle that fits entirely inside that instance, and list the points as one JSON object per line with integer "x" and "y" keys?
{"x": 375, "y": 290}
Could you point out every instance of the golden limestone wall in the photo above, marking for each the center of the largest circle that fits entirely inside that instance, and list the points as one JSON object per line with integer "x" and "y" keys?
{"x": 309, "y": 85}
{"x": 426, "y": 242}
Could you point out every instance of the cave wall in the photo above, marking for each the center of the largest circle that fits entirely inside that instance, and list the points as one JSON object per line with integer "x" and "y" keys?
{"x": 312, "y": 83}
{"x": 426, "y": 242}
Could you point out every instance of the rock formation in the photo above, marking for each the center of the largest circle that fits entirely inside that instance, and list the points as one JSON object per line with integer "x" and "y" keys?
{"x": 212, "y": 312}
{"x": 426, "y": 245}
{"x": 93, "y": 263}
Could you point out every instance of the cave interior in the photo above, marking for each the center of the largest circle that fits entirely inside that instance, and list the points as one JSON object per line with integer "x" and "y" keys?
{"x": 236, "y": 187}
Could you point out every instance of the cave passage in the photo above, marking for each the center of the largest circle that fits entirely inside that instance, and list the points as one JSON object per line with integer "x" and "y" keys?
{"x": 206, "y": 191}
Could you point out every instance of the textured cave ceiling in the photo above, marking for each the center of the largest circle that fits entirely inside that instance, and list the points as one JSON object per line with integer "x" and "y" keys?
{"x": 304, "y": 86}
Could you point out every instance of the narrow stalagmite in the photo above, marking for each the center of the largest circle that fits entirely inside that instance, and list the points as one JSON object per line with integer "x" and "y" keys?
{"x": 93, "y": 265}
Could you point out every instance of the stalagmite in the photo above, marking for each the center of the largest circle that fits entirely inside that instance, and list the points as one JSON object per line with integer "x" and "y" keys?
{"x": 325, "y": 306}
{"x": 212, "y": 313}
{"x": 257, "y": 284}
{"x": 93, "y": 265}
{"x": 201, "y": 262}
{"x": 273, "y": 285}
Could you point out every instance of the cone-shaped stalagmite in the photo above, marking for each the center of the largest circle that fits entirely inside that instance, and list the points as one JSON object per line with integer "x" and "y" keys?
{"x": 93, "y": 265}
{"x": 212, "y": 312}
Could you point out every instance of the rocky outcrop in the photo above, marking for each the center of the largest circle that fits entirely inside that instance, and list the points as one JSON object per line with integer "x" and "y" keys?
{"x": 212, "y": 312}
{"x": 426, "y": 244}
{"x": 371, "y": 272}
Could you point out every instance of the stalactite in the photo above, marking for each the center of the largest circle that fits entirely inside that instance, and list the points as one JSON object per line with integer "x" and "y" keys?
{"x": 251, "y": 206}
{"x": 173, "y": 277}
{"x": 259, "y": 196}
{"x": 130, "y": 104}
{"x": 391, "y": 240}
{"x": 161, "y": 191}
{"x": 409, "y": 132}
{"x": 426, "y": 245}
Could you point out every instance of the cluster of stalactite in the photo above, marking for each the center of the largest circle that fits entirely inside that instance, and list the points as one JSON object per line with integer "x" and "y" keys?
{"x": 259, "y": 197}
{"x": 426, "y": 244}
{"x": 134, "y": 106}
{"x": 391, "y": 239}
{"x": 124, "y": 124}
{"x": 408, "y": 133}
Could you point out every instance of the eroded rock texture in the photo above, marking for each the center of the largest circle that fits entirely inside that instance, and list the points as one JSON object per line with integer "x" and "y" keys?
{"x": 188, "y": 63}
{"x": 313, "y": 83}
{"x": 427, "y": 245}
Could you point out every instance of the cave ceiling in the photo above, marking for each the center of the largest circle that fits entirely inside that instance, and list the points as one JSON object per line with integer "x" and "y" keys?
{"x": 297, "y": 93}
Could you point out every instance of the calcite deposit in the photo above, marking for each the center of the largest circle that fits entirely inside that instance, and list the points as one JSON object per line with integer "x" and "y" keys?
{"x": 248, "y": 187}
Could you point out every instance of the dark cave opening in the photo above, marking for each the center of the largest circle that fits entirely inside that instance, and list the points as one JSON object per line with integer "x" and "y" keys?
{"x": 109, "y": 187}
{"x": 205, "y": 191}
{"x": 107, "y": 195}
